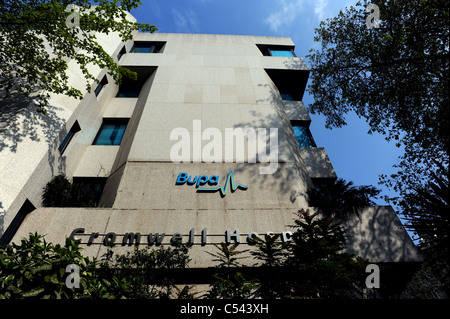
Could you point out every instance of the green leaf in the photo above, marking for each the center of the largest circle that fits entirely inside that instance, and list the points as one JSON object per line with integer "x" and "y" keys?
{"x": 33, "y": 293}
{"x": 41, "y": 268}
{"x": 14, "y": 289}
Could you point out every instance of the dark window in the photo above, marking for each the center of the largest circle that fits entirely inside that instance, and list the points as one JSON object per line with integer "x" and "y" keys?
{"x": 129, "y": 88}
{"x": 65, "y": 142}
{"x": 122, "y": 52}
{"x": 128, "y": 91}
{"x": 9, "y": 233}
{"x": 111, "y": 132}
{"x": 100, "y": 86}
{"x": 302, "y": 134}
{"x": 88, "y": 190}
{"x": 147, "y": 47}
{"x": 287, "y": 96}
{"x": 290, "y": 83}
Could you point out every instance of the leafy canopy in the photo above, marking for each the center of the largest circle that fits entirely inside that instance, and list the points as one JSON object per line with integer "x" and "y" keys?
{"x": 395, "y": 77}
{"x": 39, "y": 37}
{"x": 37, "y": 269}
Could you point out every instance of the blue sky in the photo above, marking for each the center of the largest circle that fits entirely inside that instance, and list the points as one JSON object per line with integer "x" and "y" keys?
{"x": 355, "y": 155}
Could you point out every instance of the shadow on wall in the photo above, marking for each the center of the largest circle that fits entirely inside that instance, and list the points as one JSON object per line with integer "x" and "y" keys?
{"x": 380, "y": 237}
{"x": 288, "y": 147}
{"x": 19, "y": 121}
{"x": 2, "y": 217}
{"x": 317, "y": 162}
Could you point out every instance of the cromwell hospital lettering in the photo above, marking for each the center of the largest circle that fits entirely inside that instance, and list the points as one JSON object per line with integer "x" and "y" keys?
{"x": 135, "y": 238}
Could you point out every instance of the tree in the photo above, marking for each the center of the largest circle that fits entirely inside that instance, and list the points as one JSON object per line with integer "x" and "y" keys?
{"x": 37, "y": 269}
{"x": 340, "y": 200}
{"x": 312, "y": 265}
{"x": 426, "y": 209}
{"x": 320, "y": 267}
{"x": 38, "y": 38}
{"x": 149, "y": 273}
{"x": 396, "y": 77}
{"x": 229, "y": 282}
{"x": 272, "y": 255}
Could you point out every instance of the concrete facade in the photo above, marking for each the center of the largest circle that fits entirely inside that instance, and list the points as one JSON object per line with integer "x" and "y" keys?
{"x": 379, "y": 236}
{"x": 195, "y": 82}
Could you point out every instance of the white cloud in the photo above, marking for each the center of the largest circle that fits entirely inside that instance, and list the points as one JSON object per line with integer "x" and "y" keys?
{"x": 319, "y": 8}
{"x": 286, "y": 14}
{"x": 185, "y": 21}
{"x": 289, "y": 10}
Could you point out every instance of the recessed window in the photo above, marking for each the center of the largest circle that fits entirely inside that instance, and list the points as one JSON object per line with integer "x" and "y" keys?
{"x": 277, "y": 50}
{"x": 66, "y": 141}
{"x": 121, "y": 52}
{"x": 128, "y": 91}
{"x": 111, "y": 132}
{"x": 290, "y": 83}
{"x": 129, "y": 88}
{"x": 100, "y": 86}
{"x": 303, "y": 136}
{"x": 147, "y": 47}
{"x": 9, "y": 233}
{"x": 88, "y": 190}
{"x": 286, "y": 96}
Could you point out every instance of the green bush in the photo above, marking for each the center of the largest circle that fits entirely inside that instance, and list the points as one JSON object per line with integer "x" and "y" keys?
{"x": 37, "y": 269}
{"x": 149, "y": 273}
{"x": 60, "y": 192}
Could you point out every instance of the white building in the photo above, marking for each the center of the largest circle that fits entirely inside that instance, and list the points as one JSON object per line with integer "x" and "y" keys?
{"x": 194, "y": 93}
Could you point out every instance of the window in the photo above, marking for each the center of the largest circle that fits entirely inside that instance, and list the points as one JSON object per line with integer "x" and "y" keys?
{"x": 111, "y": 132}
{"x": 290, "y": 83}
{"x": 122, "y": 52}
{"x": 65, "y": 142}
{"x": 283, "y": 53}
{"x": 100, "y": 86}
{"x": 89, "y": 190}
{"x": 277, "y": 50}
{"x": 286, "y": 96}
{"x": 9, "y": 233}
{"x": 147, "y": 47}
{"x": 303, "y": 136}
{"x": 129, "y": 88}
{"x": 128, "y": 91}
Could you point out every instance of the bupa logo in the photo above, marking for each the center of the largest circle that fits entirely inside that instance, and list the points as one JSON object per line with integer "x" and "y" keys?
{"x": 202, "y": 180}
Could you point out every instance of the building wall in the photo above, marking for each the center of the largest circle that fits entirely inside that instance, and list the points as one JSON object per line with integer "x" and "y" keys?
{"x": 378, "y": 236}
{"x": 196, "y": 82}
{"x": 221, "y": 82}
{"x": 29, "y": 141}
